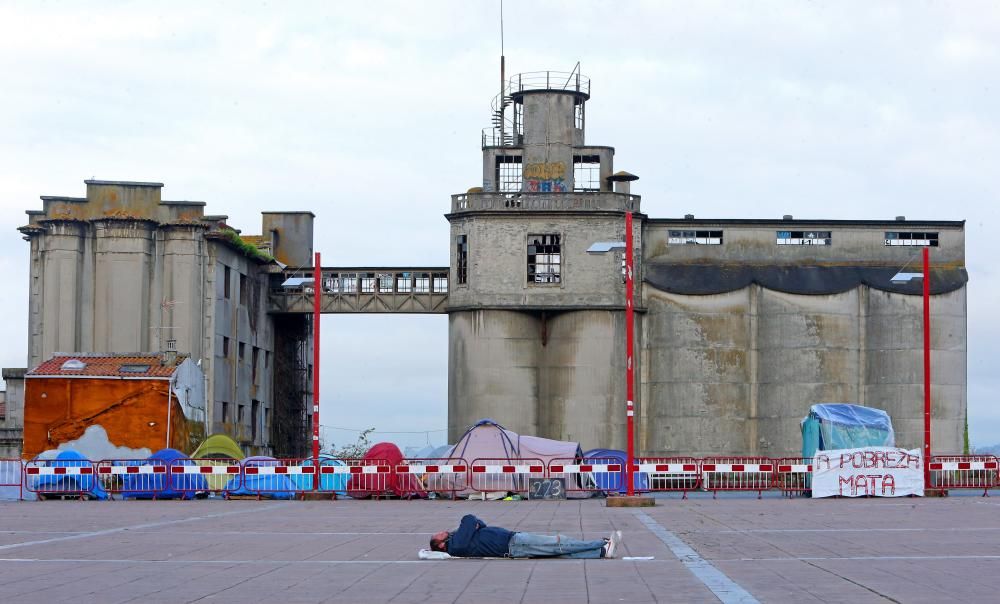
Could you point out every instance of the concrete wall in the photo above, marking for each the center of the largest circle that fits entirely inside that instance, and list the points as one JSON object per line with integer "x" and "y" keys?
{"x": 292, "y": 236}
{"x": 734, "y": 373}
{"x": 12, "y": 426}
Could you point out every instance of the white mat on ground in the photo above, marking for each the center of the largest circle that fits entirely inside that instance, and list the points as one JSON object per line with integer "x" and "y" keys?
{"x": 426, "y": 554}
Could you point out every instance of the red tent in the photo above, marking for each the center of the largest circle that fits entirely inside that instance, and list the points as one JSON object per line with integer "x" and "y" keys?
{"x": 375, "y": 483}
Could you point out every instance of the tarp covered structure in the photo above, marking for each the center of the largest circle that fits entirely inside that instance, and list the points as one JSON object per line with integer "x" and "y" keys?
{"x": 362, "y": 486}
{"x": 160, "y": 486}
{"x": 610, "y": 483}
{"x": 845, "y": 426}
{"x": 330, "y": 483}
{"x": 487, "y": 439}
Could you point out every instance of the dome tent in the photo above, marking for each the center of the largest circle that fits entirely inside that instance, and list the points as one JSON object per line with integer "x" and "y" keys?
{"x": 87, "y": 485}
{"x": 362, "y": 486}
{"x": 269, "y": 486}
{"x": 611, "y": 484}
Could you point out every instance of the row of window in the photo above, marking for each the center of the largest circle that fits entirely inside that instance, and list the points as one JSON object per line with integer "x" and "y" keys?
{"x": 892, "y": 238}
{"x": 386, "y": 283}
{"x": 241, "y": 353}
{"x": 544, "y": 251}
{"x": 586, "y": 173}
{"x": 227, "y": 286}
{"x": 241, "y": 419}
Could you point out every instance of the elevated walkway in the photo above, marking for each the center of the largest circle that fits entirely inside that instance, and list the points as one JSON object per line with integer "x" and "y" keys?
{"x": 416, "y": 290}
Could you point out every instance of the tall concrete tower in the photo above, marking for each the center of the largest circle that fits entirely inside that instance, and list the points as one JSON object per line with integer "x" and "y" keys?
{"x": 536, "y": 325}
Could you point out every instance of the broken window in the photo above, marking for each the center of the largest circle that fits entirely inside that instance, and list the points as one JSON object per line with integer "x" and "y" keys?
{"x": 462, "y": 259}
{"x": 241, "y": 415}
{"x": 242, "y": 350}
{"x": 440, "y": 284}
{"x": 695, "y": 238}
{"x": 544, "y": 258}
{"x": 508, "y": 173}
{"x": 225, "y": 411}
{"x": 225, "y": 282}
{"x": 894, "y": 238}
{"x": 254, "y": 357}
{"x": 586, "y": 172}
{"x": 804, "y": 238}
{"x": 225, "y": 347}
{"x": 422, "y": 283}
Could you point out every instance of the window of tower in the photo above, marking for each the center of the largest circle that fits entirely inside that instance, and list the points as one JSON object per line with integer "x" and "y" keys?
{"x": 508, "y": 173}
{"x": 544, "y": 258}
{"x": 586, "y": 173}
{"x": 462, "y": 259}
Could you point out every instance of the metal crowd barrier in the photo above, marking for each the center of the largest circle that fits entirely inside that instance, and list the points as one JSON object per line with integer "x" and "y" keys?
{"x": 669, "y": 473}
{"x": 963, "y": 472}
{"x": 135, "y": 477}
{"x": 591, "y": 474}
{"x": 447, "y": 476}
{"x": 737, "y": 474}
{"x": 12, "y": 475}
{"x": 793, "y": 475}
{"x": 502, "y": 475}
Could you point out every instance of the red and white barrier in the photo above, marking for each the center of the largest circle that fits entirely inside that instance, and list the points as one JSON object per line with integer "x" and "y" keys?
{"x": 58, "y": 477}
{"x": 737, "y": 474}
{"x": 501, "y": 475}
{"x": 447, "y": 476}
{"x": 669, "y": 473}
{"x": 793, "y": 475}
{"x": 592, "y": 474}
{"x": 206, "y": 475}
{"x": 264, "y": 477}
{"x": 367, "y": 477}
{"x": 133, "y": 476}
{"x": 963, "y": 472}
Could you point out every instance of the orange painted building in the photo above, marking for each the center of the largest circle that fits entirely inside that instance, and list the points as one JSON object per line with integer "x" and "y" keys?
{"x": 149, "y": 401}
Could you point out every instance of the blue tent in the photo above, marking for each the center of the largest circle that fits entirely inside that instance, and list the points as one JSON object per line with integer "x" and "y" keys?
{"x": 845, "y": 426}
{"x": 610, "y": 483}
{"x": 157, "y": 486}
{"x": 62, "y": 484}
{"x": 270, "y": 486}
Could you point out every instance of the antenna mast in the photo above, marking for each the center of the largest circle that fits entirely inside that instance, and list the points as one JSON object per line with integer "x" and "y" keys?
{"x": 502, "y": 77}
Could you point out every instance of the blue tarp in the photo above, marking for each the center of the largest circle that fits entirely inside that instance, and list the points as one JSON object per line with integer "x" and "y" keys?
{"x": 159, "y": 487}
{"x": 271, "y": 486}
{"x": 611, "y": 483}
{"x": 845, "y": 426}
{"x": 61, "y": 483}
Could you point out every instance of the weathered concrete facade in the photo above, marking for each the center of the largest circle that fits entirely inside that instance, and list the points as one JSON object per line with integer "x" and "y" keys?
{"x": 741, "y": 324}
{"x": 122, "y": 270}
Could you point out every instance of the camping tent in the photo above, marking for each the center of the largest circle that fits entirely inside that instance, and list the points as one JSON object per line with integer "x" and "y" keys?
{"x": 488, "y": 440}
{"x": 158, "y": 486}
{"x": 845, "y": 426}
{"x": 361, "y": 486}
{"x": 218, "y": 446}
{"x": 613, "y": 484}
{"x": 63, "y": 483}
{"x": 270, "y": 486}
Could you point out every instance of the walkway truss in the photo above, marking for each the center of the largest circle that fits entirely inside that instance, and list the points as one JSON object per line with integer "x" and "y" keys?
{"x": 422, "y": 290}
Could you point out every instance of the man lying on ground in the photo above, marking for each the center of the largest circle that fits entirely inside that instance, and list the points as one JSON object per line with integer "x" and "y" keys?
{"x": 474, "y": 539}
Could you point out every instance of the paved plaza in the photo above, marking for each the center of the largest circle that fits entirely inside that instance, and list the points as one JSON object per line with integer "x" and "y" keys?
{"x": 733, "y": 550}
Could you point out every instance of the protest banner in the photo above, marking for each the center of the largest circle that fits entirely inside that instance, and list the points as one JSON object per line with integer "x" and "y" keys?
{"x": 868, "y": 472}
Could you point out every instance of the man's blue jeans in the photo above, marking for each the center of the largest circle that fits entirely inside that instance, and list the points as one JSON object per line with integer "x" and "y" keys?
{"x": 530, "y": 545}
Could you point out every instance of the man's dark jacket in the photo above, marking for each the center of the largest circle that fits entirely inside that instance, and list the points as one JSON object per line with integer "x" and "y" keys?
{"x": 474, "y": 539}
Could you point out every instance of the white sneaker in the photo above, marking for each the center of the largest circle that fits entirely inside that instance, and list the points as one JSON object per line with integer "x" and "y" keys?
{"x": 612, "y": 546}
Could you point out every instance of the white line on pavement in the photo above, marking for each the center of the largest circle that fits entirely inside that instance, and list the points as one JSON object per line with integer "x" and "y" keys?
{"x": 138, "y": 526}
{"x": 724, "y": 588}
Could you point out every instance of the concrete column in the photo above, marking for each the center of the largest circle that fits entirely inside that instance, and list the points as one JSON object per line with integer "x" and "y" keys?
{"x": 123, "y": 268}
{"x": 548, "y": 142}
{"x": 61, "y": 258}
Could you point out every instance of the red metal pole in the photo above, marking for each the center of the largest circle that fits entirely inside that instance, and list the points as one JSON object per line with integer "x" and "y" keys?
{"x": 927, "y": 368}
{"x": 629, "y": 365}
{"x": 317, "y": 294}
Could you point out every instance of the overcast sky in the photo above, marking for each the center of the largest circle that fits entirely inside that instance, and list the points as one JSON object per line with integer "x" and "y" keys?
{"x": 369, "y": 114}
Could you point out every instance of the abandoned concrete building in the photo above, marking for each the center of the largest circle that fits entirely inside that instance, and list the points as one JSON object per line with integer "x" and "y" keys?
{"x": 741, "y": 324}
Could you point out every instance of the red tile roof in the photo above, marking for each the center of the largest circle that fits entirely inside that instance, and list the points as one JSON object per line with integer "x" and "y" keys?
{"x": 104, "y": 365}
